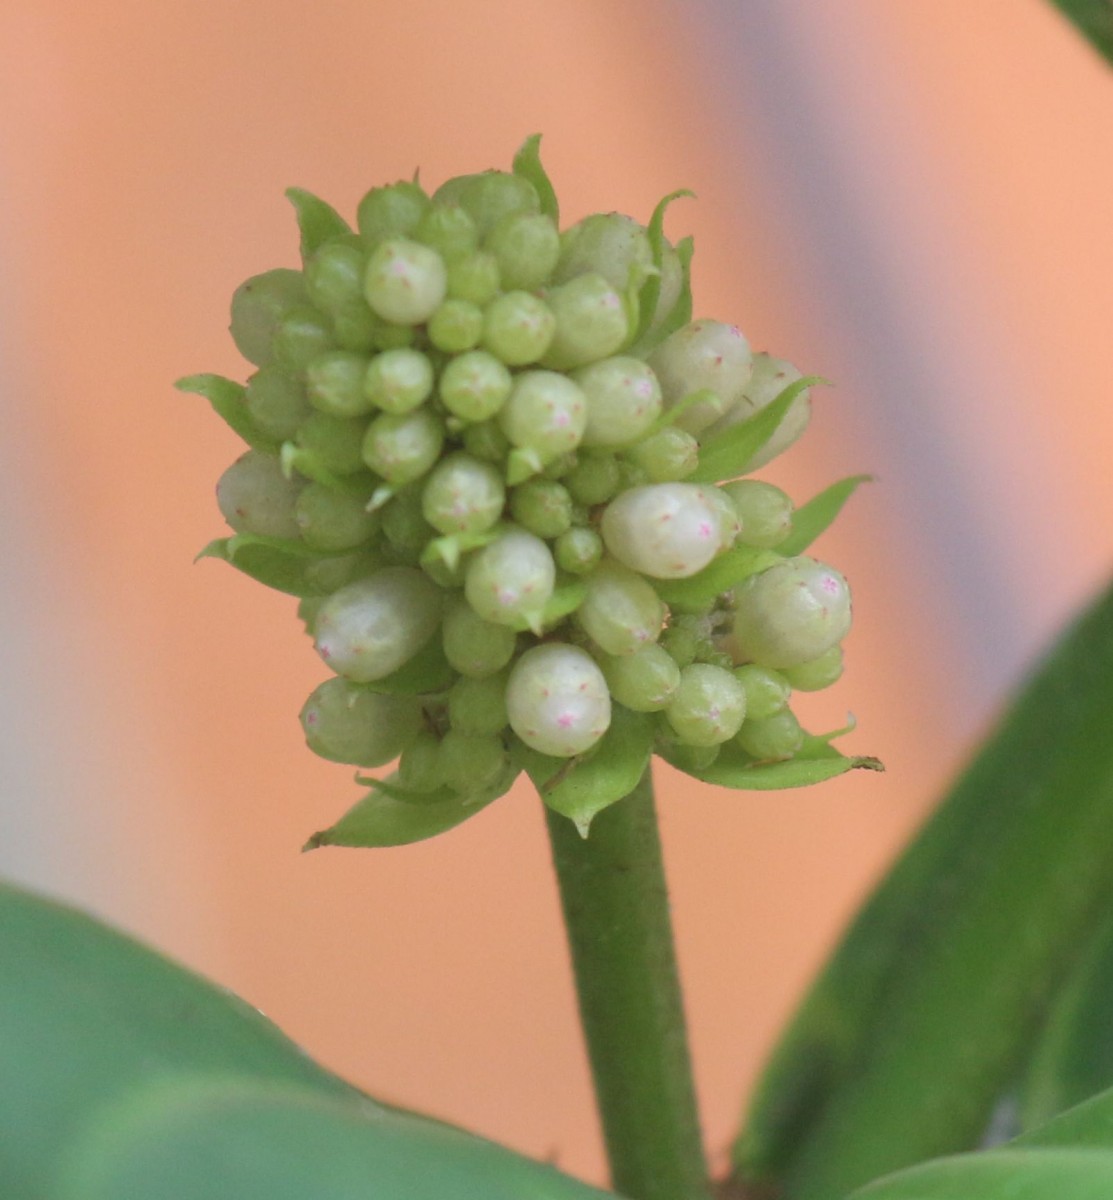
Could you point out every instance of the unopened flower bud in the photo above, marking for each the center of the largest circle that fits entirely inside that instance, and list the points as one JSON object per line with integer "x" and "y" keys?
{"x": 463, "y": 495}
{"x": 557, "y": 700}
{"x": 349, "y": 724}
{"x": 624, "y": 399}
{"x": 664, "y": 530}
{"x": 510, "y": 579}
{"x": 405, "y": 281}
{"x": 255, "y": 497}
{"x": 707, "y": 707}
{"x": 703, "y": 355}
{"x": 621, "y": 612}
{"x": 258, "y": 308}
{"x": 591, "y": 322}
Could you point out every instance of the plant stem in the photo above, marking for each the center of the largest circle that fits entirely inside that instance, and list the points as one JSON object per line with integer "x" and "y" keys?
{"x": 616, "y": 911}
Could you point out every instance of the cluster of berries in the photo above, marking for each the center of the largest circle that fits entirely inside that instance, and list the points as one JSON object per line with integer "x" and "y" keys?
{"x": 490, "y": 457}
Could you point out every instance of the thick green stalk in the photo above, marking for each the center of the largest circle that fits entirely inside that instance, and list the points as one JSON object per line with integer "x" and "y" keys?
{"x": 616, "y": 910}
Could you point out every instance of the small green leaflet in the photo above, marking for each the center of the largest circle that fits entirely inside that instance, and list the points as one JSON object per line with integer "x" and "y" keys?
{"x": 227, "y": 399}
{"x": 723, "y": 573}
{"x": 817, "y": 761}
{"x": 527, "y": 164}
{"x": 580, "y": 788}
{"x": 279, "y": 563}
{"x": 305, "y": 462}
{"x": 651, "y": 290}
{"x": 727, "y": 455}
{"x": 317, "y": 221}
{"x": 384, "y": 818}
{"x": 566, "y": 598}
{"x": 813, "y": 518}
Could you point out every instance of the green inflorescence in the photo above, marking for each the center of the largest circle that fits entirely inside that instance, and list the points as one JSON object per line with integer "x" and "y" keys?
{"x": 499, "y": 463}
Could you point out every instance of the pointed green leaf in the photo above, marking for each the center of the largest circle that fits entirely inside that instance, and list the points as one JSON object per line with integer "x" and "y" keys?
{"x": 720, "y": 575}
{"x": 1002, "y": 1175}
{"x": 736, "y": 769}
{"x": 317, "y": 221}
{"x": 1087, "y": 1124}
{"x": 307, "y": 463}
{"x": 580, "y": 788}
{"x": 650, "y": 291}
{"x": 811, "y": 519}
{"x": 935, "y": 993}
{"x": 382, "y": 819}
{"x": 727, "y": 454}
{"x": 567, "y": 596}
{"x": 1094, "y": 20}
{"x": 227, "y": 399}
{"x": 1073, "y": 1057}
{"x": 279, "y": 563}
{"x": 217, "y": 1137}
{"x": 527, "y": 164}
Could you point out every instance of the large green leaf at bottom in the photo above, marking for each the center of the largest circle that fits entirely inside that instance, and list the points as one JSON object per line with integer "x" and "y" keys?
{"x": 929, "y": 1006}
{"x": 114, "y": 1060}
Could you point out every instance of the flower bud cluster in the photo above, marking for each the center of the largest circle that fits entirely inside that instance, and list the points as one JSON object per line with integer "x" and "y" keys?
{"x": 478, "y": 439}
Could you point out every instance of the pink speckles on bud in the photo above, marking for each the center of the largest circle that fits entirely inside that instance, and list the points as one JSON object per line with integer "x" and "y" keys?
{"x": 511, "y": 579}
{"x": 664, "y": 530}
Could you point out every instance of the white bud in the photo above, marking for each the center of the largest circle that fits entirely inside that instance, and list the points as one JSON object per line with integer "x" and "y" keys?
{"x": 703, "y": 355}
{"x": 557, "y": 700}
{"x": 511, "y": 579}
{"x": 255, "y": 497}
{"x": 664, "y": 530}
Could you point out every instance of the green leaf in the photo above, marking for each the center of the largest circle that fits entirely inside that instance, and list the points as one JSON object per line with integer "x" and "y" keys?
{"x": 227, "y": 399}
{"x": 650, "y": 291}
{"x": 425, "y": 674}
{"x": 567, "y": 596}
{"x": 87, "y": 1014}
{"x": 1002, "y": 1175}
{"x": 317, "y": 221}
{"x": 279, "y": 563}
{"x": 1087, "y": 1124}
{"x": 527, "y": 164}
{"x": 306, "y": 462}
{"x": 727, "y": 454}
{"x": 813, "y": 518}
{"x": 208, "y": 1137}
{"x": 734, "y": 768}
{"x": 929, "y": 1006}
{"x": 383, "y": 818}
{"x": 580, "y": 788}
{"x": 1073, "y": 1058}
{"x": 720, "y": 575}
{"x": 1094, "y": 20}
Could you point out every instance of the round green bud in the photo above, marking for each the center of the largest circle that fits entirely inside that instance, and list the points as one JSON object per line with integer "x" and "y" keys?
{"x": 545, "y": 412}
{"x": 517, "y": 328}
{"x": 397, "y": 381}
{"x": 331, "y": 520}
{"x": 644, "y": 681}
{"x": 356, "y": 327}
{"x": 817, "y": 674}
{"x": 486, "y": 441}
{"x": 708, "y": 706}
{"x": 475, "y": 385}
{"x": 334, "y": 277}
{"x": 764, "y": 512}
{"x": 557, "y": 700}
{"x": 255, "y": 497}
{"x": 302, "y": 335}
{"x": 526, "y": 246}
{"x": 664, "y": 530}
{"x": 404, "y": 524}
{"x": 334, "y": 383}
{"x": 348, "y": 724}
{"x": 621, "y": 612}
{"x": 371, "y": 627}
{"x": 682, "y": 643}
{"x": 767, "y": 691}
{"x": 773, "y": 738}
{"x": 463, "y": 495}
{"x": 668, "y": 455}
{"x": 608, "y": 244}
{"x": 402, "y": 447}
{"x": 623, "y": 400}
{"x": 474, "y": 277}
{"x": 277, "y": 402}
{"x": 334, "y": 442}
{"x": 405, "y": 281}
{"x": 456, "y": 326}
{"x": 489, "y": 197}
{"x": 579, "y": 550}
{"x": 420, "y": 768}
{"x": 595, "y": 479}
{"x": 510, "y": 580}
{"x": 475, "y": 647}
{"x": 770, "y": 377}
{"x": 472, "y": 763}
{"x": 449, "y": 230}
{"x": 591, "y": 322}
{"x": 541, "y": 506}
{"x": 477, "y": 707}
{"x": 392, "y": 337}
{"x": 704, "y": 355}
{"x": 390, "y": 211}
{"x": 789, "y": 614}
{"x": 258, "y": 308}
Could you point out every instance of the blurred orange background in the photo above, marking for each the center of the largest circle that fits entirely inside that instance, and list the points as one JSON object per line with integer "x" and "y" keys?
{"x": 910, "y": 199}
